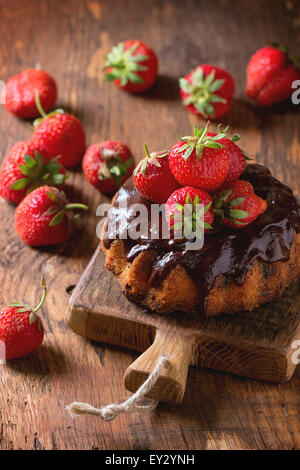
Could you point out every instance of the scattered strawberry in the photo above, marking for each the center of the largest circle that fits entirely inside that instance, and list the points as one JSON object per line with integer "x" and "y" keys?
{"x": 236, "y": 205}
{"x": 21, "y": 330}
{"x": 200, "y": 161}
{"x": 132, "y": 66}
{"x": 45, "y": 217}
{"x": 207, "y": 91}
{"x": 237, "y": 158}
{"x": 25, "y": 169}
{"x": 270, "y": 74}
{"x": 59, "y": 133}
{"x": 21, "y": 89}
{"x": 153, "y": 177}
{"x": 182, "y": 212}
{"x": 107, "y": 165}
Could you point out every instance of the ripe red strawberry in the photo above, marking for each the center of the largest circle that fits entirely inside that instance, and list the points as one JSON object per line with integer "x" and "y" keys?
{"x": 236, "y": 205}
{"x": 153, "y": 177}
{"x": 21, "y": 89}
{"x": 45, "y": 217}
{"x": 107, "y": 165}
{"x": 207, "y": 91}
{"x": 237, "y": 159}
{"x": 182, "y": 212}
{"x": 25, "y": 169}
{"x": 270, "y": 74}
{"x": 200, "y": 161}
{"x": 132, "y": 66}
{"x": 59, "y": 133}
{"x": 21, "y": 330}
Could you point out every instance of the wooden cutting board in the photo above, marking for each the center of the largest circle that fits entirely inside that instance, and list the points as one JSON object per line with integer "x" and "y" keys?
{"x": 257, "y": 344}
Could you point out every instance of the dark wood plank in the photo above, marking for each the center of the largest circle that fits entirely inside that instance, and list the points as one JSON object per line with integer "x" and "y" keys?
{"x": 69, "y": 39}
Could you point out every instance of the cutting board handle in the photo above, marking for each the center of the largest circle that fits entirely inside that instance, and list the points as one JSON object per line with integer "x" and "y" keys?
{"x": 170, "y": 386}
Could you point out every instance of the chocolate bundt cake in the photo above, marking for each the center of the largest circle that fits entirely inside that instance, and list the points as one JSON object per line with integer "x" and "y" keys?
{"x": 233, "y": 271}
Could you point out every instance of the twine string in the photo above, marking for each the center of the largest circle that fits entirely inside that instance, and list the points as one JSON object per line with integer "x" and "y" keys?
{"x": 131, "y": 405}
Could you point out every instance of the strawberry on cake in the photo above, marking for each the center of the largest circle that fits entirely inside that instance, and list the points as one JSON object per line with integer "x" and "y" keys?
{"x": 250, "y": 229}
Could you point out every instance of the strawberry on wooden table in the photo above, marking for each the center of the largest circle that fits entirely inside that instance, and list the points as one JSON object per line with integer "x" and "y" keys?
{"x": 107, "y": 165}
{"x": 200, "y": 160}
{"x": 24, "y": 169}
{"x": 153, "y": 177}
{"x": 21, "y": 329}
{"x": 59, "y": 133}
{"x": 46, "y": 217}
{"x": 236, "y": 205}
{"x": 132, "y": 66}
{"x": 183, "y": 212}
{"x": 270, "y": 74}
{"x": 207, "y": 91}
{"x": 21, "y": 89}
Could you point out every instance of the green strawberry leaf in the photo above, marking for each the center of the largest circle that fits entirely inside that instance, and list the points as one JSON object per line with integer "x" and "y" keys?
{"x": 39, "y": 159}
{"x": 139, "y": 58}
{"x": 51, "y": 210}
{"x": 110, "y": 77}
{"x": 238, "y": 214}
{"x": 123, "y": 64}
{"x": 188, "y": 199}
{"x": 207, "y": 207}
{"x": 235, "y": 138}
{"x": 57, "y": 219}
{"x": 237, "y": 201}
{"x": 30, "y": 161}
{"x": 20, "y": 184}
{"x": 32, "y": 318}
{"x": 58, "y": 178}
{"x": 52, "y": 196}
{"x": 25, "y": 170}
{"x": 133, "y": 77}
{"x": 216, "y": 85}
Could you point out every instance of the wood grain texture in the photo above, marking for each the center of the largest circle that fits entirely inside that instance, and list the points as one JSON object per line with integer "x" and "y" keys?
{"x": 69, "y": 39}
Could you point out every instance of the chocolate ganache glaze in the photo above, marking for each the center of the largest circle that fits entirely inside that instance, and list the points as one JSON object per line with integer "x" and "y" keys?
{"x": 227, "y": 252}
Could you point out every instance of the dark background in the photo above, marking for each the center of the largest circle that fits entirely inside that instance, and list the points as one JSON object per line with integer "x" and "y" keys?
{"x": 69, "y": 39}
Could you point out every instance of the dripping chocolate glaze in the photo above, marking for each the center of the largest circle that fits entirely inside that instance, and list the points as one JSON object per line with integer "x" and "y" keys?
{"x": 230, "y": 252}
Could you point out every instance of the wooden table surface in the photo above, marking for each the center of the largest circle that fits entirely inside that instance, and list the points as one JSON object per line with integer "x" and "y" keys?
{"x": 69, "y": 39}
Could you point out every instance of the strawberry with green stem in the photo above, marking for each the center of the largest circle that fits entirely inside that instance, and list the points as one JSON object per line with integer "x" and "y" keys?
{"x": 201, "y": 160}
{"x": 153, "y": 177}
{"x": 184, "y": 213}
{"x": 24, "y": 169}
{"x": 59, "y": 133}
{"x": 236, "y": 205}
{"x": 21, "y": 329}
{"x": 46, "y": 217}
{"x": 132, "y": 66}
{"x": 207, "y": 91}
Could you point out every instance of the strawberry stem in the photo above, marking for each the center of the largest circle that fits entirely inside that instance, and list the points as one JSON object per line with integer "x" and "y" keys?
{"x": 147, "y": 151}
{"x": 75, "y": 206}
{"x": 39, "y": 105}
{"x": 203, "y": 133}
{"x": 43, "y": 284}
